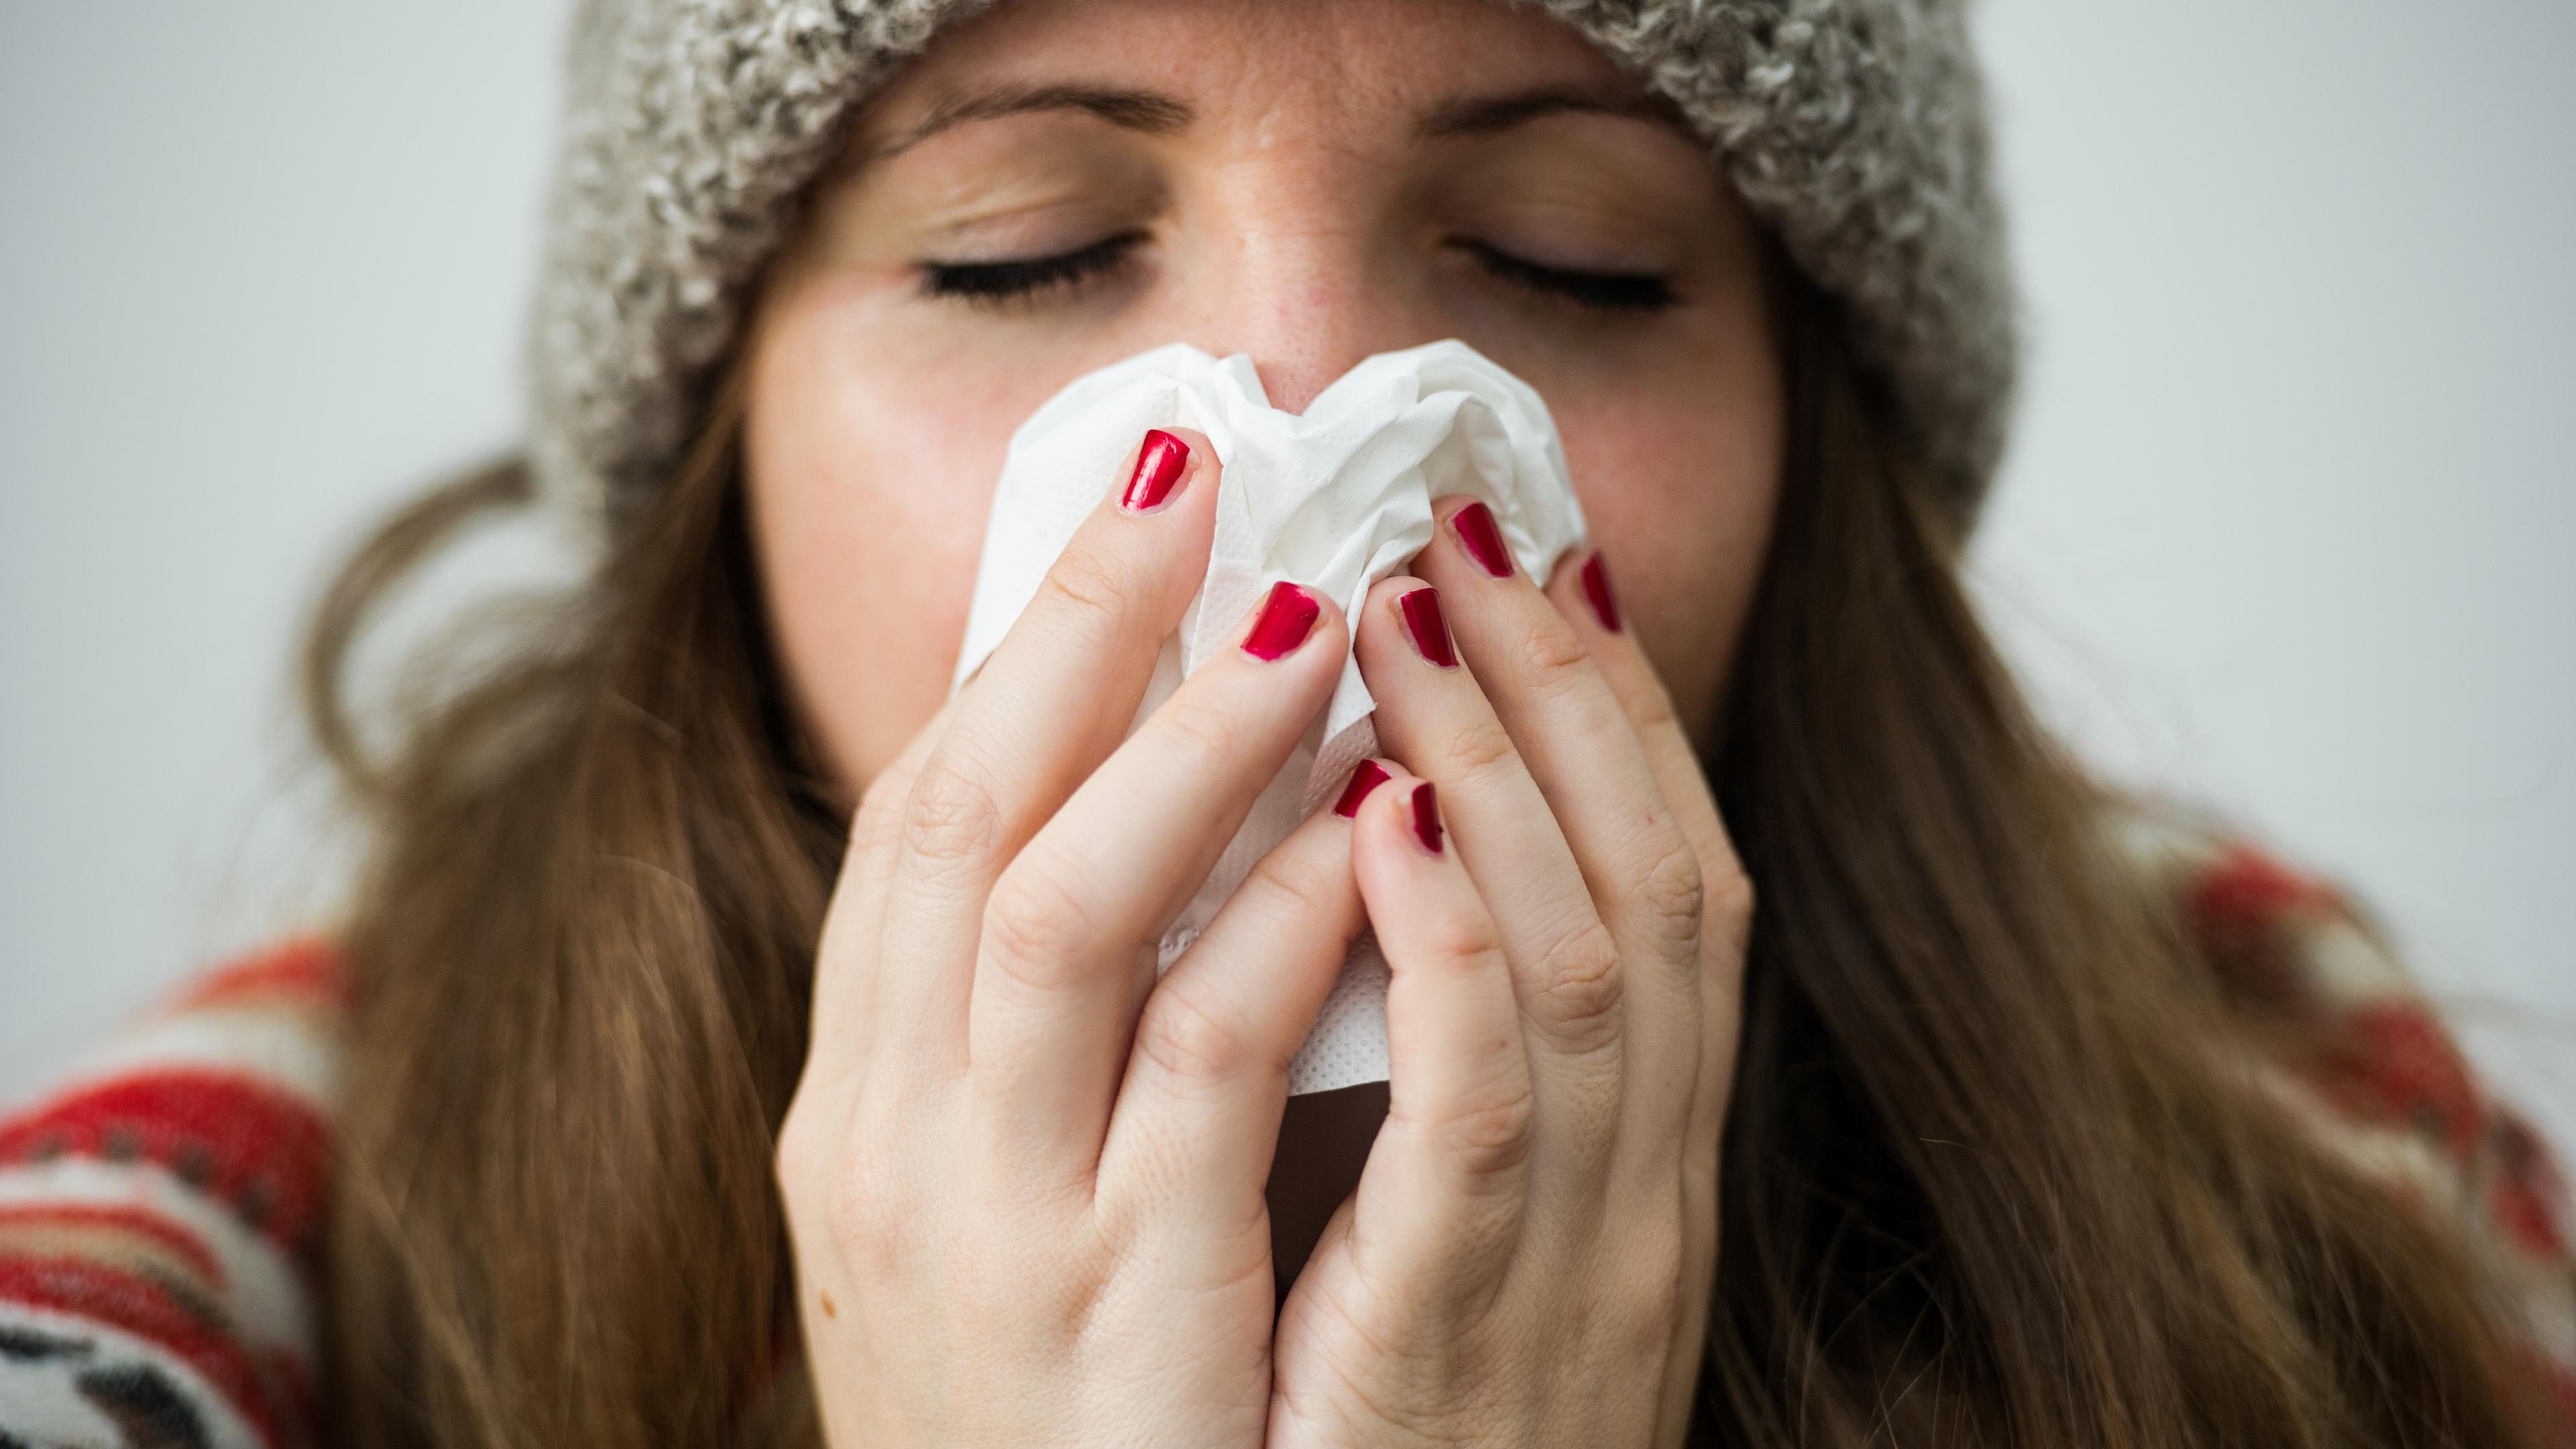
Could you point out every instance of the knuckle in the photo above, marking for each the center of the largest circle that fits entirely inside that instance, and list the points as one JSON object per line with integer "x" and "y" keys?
{"x": 1480, "y": 753}
{"x": 1302, "y": 886}
{"x": 1648, "y": 1286}
{"x": 1469, "y": 941}
{"x": 1088, "y": 590}
{"x": 1197, "y": 738}
{"x": 1490, "y": 1136}
{"x": 1580, "y": 992}
{"x": 1037, "y": 927}
{"x": 1727, "y": 909}
{"x": 1650, "y": 709}
{"x": 951, "y": 815}
{"x": 1552, "y": 660}
{"x": 1187, "y": 1042}
{"x": 867, "y": 1210}
{"x": 1671, "y": 894}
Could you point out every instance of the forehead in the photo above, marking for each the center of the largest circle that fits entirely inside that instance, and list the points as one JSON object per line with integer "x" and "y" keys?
{"x": 1353, "y": 61}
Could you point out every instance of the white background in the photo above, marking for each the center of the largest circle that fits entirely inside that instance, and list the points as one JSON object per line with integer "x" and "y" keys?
{"x": 2288, "y": 522}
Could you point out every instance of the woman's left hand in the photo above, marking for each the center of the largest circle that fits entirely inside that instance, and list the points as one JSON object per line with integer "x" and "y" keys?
{"x": 1529, "y": 1254}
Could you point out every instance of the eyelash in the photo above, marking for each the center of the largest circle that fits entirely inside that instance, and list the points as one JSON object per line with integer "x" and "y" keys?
{"x": 990, "y": 284}
{"x": 1593, "y": 291}
{"x": 997, "y": 284}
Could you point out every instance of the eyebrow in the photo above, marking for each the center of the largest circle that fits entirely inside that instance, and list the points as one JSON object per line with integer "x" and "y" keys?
{"x": 1142, "y": 111}
{"x": 1154, "y": 114}
{"x": 1486, "y": 115}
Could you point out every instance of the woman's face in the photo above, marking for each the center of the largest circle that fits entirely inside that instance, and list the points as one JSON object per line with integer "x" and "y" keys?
{"x": 1306, "y": 181}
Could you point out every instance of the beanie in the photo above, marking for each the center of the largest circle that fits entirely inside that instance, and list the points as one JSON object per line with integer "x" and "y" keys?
{"x": 1854, "y": 129}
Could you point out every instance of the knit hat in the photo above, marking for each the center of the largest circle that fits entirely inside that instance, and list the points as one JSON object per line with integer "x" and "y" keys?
{"x": 1855, "y": 129}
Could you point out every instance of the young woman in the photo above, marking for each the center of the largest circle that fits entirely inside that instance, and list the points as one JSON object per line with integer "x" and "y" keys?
{"x": 737, "y": 1041}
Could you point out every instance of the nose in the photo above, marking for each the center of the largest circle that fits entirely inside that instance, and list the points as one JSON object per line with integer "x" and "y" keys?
{"x": 1308, "y": 341}
{"x": 1309, "y": 304}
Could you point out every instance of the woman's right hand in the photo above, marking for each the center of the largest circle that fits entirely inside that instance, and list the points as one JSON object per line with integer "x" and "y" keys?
{"x": 1024, "y": 1179}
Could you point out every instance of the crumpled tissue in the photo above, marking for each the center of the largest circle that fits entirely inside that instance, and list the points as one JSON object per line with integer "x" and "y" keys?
{"x": 1334, "y": 498}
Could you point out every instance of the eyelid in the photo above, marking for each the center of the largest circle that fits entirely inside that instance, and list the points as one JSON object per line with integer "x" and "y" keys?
{"x": 1028, "y": 280}
{"x": 1031, "y": 280}
{"x": 1574, "y": 238}
{"x": 1016, "y": 232}
{"x": 1025, "y": 200}
{"x": 1597, "y": 290}
{"x": 1038, "y": 256}
{"x": 1537, "y": 260}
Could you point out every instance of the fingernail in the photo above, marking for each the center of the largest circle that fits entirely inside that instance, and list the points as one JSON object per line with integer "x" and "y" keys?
{"x": 1483, "y": 539}
{"x": 1426, "y": 817}
{"x": 1430, "y": 630}
{"x": 1596, "y": 592}
{"x": 1367, "y": 777}
{"x": 1288, "y": 615}
{"x": 1160, "y": 461}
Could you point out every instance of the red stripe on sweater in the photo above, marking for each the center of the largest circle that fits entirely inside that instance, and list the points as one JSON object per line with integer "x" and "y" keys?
{"x": 2392, "y": 1065}
{"x": 2528, "y": 1197}
{"x": 133, "y": 1304}
{"x": 2235, "y": 910}
{"x": 2248, "y": 884}
{"x": 141, "y": 1222}
{"x": 309, "y": 968}
{"x": 236, "y": 1139}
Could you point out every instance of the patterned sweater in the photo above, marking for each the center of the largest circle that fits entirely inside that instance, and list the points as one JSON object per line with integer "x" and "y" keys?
{"x": 160, "y": 1212}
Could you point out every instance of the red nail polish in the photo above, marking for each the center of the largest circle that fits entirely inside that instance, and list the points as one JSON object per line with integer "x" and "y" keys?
{"x": 1596, "y": 592}
{"x": 1160, "y": 461}
{"x": 1288, "y": 615}
{"x": 1430, "y": 630}
{"x": 1426, "y": 817}
{"x": 1367, "y": 777}
{"x": 1483, "y": 539}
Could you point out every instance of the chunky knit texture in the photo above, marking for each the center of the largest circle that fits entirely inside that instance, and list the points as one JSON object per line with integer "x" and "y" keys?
{"x": 161, "y": 1222}
{"x": 159, "y": 1212}
{"x": 1854, "y": 128}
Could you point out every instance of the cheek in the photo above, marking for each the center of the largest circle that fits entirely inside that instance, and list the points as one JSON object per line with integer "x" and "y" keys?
{"x": 869, "y": 462}
{"x": 1679, "y": 484}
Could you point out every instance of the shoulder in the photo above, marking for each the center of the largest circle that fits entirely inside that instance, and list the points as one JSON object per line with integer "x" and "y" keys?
{"x": 2358, "y": 1053}
{"x": 161, "y": 1215}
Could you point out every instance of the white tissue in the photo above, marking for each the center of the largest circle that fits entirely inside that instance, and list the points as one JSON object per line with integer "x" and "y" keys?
{"x": 1335, "y": 499}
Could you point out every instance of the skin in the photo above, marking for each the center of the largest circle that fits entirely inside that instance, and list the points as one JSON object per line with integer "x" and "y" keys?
{"x": 1038, "y": 1196}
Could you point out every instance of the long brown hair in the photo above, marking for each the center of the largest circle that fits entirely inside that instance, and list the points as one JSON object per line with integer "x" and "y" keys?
{"x": 1987, "y": 1176}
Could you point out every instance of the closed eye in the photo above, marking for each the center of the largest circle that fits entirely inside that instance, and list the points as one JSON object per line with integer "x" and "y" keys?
{"x": 1599, "y": 291}
{"x": 1001, "y": 283}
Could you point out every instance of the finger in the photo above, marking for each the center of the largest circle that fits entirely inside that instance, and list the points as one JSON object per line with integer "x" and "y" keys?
{"x": 847, "y": 959}
{"x": 1584, "y": 596}
{"x": 1198, "y": 1113}
{"x": 1578, "y": 744}
{"x": 1056, "y": 696}
{"x": 1447, "y": 1181}
{"x": 1432, "y": 714}
{"x": 1067, "y": 950}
